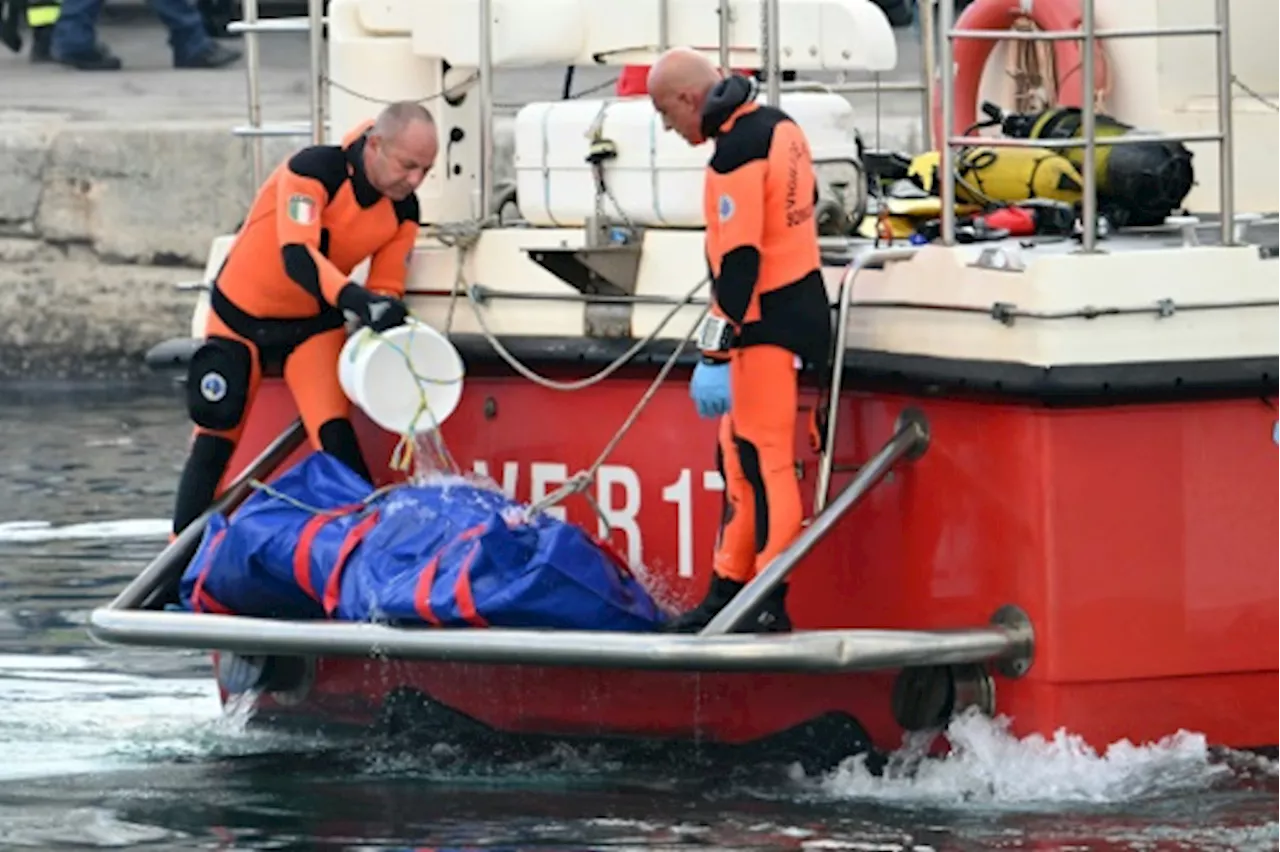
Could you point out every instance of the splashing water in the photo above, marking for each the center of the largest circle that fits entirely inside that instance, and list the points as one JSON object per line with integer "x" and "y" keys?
{"x": 63, "y": 716}
{"x": 428, "y": 459}
{"x": 989, "y": 766}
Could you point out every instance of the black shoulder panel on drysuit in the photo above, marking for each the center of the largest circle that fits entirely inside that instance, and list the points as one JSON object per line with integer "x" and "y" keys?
{"x": 328, "y": 165}
{"x": 750, "y": 138}
{"x": 324, "y": 163}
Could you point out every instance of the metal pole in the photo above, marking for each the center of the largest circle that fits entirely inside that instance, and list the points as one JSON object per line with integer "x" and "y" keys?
{"x": 1089, "y": 129}
{"x": 170, "y": 562}
{"x": 664, "y": 25}
{"x": 801, "y": 651}
{"x": 486, "y": 105}
{"x": 1226, "y": 147}
{"x": 910, "y": 441}
{"x": 928, "y": 70}
{"x": 863, "y": 261}
{"x": 483, "y": 294}
{"x": 253, "y": 65}
{"x": 773, "y": 54}
{"x": 876, "y": 77}
{"x": 724, "y": 37}
{"x": 947, "y": 94}
{"x": 315, "y": 22}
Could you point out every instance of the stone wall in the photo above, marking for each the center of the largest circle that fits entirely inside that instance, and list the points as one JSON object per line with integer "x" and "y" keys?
{"x": 97, "y": 225}
{"x": 98, "y": 222}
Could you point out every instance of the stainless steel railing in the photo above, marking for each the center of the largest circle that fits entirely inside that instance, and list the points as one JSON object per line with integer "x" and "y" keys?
{"x": 926, "y": 15}
{"x": 1089, "y": 34}
{"x": 252, "y": 27}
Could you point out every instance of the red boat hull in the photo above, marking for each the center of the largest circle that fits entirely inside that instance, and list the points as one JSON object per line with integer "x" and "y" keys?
{"x": 1140, "y": 539}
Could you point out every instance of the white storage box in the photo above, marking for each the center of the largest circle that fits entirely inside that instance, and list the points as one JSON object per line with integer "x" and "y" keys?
{"x": 657, "y": 177}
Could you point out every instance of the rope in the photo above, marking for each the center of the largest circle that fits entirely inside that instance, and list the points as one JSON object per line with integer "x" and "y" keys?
{"x": 452, "y": 91}
{"x": 1030, "y": 66}
{"x": 583, "y": 479}
{"x": 587, "y": 382}
{"x": 462, "y": 236}
{"x": 259, "y": 485}
{"x": 409, "y": 454}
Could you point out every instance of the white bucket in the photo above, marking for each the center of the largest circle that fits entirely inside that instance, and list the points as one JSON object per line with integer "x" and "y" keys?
{"x": 407, "y": 379}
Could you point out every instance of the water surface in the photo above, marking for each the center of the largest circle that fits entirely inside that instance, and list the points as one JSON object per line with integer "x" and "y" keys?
{"x": 126, "y": 748}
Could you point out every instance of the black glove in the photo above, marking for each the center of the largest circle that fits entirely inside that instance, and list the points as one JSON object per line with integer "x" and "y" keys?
{"x": 377, "y": 312}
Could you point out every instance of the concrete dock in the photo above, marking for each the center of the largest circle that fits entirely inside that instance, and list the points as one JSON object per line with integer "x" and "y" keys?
{"x": 113, "y": 184}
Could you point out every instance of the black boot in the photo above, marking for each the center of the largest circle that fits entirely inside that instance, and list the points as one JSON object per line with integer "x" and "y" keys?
{"x": 720, "y": 593}
{"x": 96, "y": 58}
{"x": 770, "y": 616}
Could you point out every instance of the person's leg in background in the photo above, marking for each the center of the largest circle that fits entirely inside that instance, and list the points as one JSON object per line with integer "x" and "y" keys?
{"x": 75, "y": 41}
{"x": 192, "y": 47}
{"x": 311, "y": 372}
{"x": 75, "y": 37}
{"x": 42, "y": 17}
{"x": 217, "y": 14}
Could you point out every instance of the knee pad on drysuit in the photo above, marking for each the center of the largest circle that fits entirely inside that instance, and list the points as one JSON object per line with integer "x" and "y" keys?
{"x": 218, "y": 383}
{"x": 338, "y": 439}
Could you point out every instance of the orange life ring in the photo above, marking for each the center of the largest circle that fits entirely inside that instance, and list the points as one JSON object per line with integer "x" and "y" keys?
{"x": 970, "y": 55}
{"x": 634, "y": 80}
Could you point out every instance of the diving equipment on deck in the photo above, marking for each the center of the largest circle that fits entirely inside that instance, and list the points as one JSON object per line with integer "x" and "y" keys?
{"x": 997, "y": 176}
{"x": 1138, "y": 184}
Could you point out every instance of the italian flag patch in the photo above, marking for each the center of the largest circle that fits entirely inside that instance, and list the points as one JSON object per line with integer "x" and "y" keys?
{"x": 302, "y": 209}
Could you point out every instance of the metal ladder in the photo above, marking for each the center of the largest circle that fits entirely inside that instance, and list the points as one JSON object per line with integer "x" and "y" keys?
{"x": 252, "y": 26}
{"x": 1089, "y": 34}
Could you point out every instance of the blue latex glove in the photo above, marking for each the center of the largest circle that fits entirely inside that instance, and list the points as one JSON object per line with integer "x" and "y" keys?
{"x": 709, "y": 389}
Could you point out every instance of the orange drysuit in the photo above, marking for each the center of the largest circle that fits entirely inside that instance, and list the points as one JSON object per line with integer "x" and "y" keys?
{"x": 277, "y": 304}
{"x": 762, "y": 249}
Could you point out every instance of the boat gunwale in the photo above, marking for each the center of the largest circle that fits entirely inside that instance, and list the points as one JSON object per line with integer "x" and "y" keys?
{"x": 926, "y": 376}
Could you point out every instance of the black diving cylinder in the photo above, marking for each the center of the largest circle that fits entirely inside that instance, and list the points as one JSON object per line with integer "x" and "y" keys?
{"x": 1138, "y": 184}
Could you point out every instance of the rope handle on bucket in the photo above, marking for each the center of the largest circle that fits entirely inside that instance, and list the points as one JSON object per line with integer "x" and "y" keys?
{"x": 464, "y": 236}
{"x": 406, "y": 451}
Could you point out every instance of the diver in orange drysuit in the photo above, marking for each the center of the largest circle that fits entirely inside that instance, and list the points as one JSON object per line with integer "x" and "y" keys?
{"x": 279, "y": 298}
{"x": 770, "y": 315}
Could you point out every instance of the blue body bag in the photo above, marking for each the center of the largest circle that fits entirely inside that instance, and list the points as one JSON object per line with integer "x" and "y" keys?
{"x": 320, "y": 543}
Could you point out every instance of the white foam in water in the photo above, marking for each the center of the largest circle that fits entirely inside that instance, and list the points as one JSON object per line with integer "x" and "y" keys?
{"x": 73, "y": 720}
{"x": 989, "y": 766}
{"x": 37, "y": 531}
